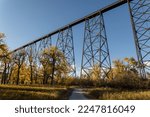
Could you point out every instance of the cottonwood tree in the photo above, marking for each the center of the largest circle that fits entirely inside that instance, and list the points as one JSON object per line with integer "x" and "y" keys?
{"x": 132, "y": 65}
{"x": 11, "y": 68}
{"x": 126, "y": 65}
{"x": 5, "y": 65}
{"x": 54, "y": 64}
{"x": 4, "y": 58}
{"x": 3, "y": 46}
{"x": 125, "y": 74}
{"x": 31, "y": 58}
{"x": 19, "y": 58}
{"x": 95, "y": 75}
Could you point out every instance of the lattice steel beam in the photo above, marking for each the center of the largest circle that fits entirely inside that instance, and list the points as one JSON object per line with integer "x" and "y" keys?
{"x": 140, "y": 19}
{"x": 66, "y": 45}
{"x": 95, "y": 47}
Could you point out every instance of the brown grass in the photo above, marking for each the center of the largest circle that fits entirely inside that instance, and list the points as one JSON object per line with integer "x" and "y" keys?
{"x": 10, "y": 92}
{"x": 118, "y": 94}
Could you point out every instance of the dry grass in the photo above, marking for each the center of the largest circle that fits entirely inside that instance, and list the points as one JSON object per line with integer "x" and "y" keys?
{"x": 127, "y": 95}
{"x": 30, "y": 88}
{"x": 10, "y": 92}
{"x": 118, "y": 94}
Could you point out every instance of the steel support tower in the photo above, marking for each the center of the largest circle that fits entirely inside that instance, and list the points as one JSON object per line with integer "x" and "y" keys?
{"x": 140, "y": 20}
{"x": 66, "y": 45}
{"x": 95, "y": 47}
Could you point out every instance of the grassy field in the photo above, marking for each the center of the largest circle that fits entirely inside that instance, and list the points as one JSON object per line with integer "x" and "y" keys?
{"x": 11, "y": 92}
{"x": 117, "y": 94}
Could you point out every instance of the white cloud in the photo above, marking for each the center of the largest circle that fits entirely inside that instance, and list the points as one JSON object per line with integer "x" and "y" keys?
{"x": 147, "y": 63}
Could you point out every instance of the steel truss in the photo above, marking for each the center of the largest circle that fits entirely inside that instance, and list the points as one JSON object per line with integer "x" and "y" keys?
{"x": 140, "y": 19}
{"x": 95, "y": 47}
{"x": 66, "y": 45}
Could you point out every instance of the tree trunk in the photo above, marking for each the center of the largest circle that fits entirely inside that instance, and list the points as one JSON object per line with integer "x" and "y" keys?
{"x": 4, "y": 77}
{"x": 9, "y": 76}
{"x": 18, "y": 76}
{"x": 31, "y": 76}
{"x": 44, "y": 79}
{"x": 36, "y": 77}
{"x": 53, "y": 71}
{"x": 47, "y": 78}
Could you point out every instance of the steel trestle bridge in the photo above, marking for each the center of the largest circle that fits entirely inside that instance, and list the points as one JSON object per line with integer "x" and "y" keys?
{"x": 95, "y": 45}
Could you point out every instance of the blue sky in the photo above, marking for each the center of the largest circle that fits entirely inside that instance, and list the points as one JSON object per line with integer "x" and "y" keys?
{"x": 25, "y": 20}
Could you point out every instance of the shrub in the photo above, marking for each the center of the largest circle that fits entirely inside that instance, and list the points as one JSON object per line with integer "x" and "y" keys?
{"x": 128, "y": 80}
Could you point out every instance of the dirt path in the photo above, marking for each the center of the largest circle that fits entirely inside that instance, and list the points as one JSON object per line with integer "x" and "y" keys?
{"x": 78, "y": 94}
